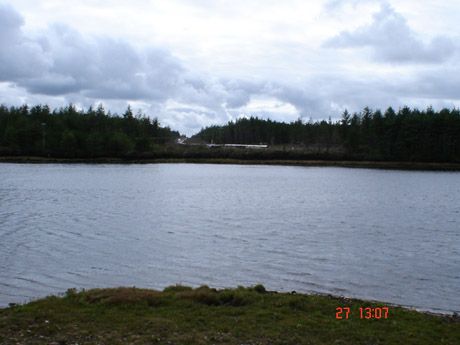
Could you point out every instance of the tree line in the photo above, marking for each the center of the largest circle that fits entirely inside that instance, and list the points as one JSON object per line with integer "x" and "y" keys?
{"x": 403, "y": 135}
{"x": 68, "y": 132}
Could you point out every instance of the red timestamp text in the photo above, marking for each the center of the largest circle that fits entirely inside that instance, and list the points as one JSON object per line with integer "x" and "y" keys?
{"x": 368, "y": 313}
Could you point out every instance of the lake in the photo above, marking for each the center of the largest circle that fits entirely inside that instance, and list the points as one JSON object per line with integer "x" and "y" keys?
{"x": 383, "y": 235}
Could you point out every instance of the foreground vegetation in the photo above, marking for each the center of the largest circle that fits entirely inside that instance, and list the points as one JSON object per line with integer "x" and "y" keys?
{"x": 182, "y": 315}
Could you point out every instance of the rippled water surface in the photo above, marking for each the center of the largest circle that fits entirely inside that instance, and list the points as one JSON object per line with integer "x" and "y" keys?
{"x": 387, "y": 235}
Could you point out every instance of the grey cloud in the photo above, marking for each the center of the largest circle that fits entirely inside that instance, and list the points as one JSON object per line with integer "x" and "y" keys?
{"x": 240, "y": 91}
{"x": 441, "y": 84}
{"x": 237, "y": 99}
{"x": 51, "y": 84}
{"x": 201, "y": 90}
{"x": 392, "y": 40}
{"x": 19, "y": 56}
{"x": 307, "y": 101}
{"x": 65, "y": 62}
{"x": 10, "y": 21}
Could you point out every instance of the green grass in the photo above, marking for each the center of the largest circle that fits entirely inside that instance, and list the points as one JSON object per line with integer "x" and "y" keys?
{"x": 182, "y": 315}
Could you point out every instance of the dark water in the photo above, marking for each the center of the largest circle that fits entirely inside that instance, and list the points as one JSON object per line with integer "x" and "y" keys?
{"x": 387, "y": 235}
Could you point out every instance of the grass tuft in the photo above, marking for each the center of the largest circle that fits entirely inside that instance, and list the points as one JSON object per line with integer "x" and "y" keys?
{"x": 177, "y": 288}
{"x": 121, "y": 296}
{"x": 259, "y": 288}
{"x": 236, "y": 298}
{"x": 203, "y": 295}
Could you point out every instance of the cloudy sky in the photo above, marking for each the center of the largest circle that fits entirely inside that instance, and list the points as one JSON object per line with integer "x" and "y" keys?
{"x": 193, "y": 63}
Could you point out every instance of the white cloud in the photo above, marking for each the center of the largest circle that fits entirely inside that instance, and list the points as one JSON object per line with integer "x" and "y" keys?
{"x": 392, "y": 40}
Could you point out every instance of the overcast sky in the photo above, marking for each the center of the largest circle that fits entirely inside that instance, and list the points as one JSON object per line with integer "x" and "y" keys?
{"x": 193, "y": 63}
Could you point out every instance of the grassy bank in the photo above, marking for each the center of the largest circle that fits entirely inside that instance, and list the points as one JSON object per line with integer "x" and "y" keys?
{"x": 181, "y": 315}
{"x": 291, "y": 162}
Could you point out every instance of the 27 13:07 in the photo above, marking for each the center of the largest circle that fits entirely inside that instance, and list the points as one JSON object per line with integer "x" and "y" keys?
{"x": 376, "y": 313}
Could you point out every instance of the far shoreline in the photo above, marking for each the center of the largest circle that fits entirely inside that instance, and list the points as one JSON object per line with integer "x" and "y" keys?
{"x": 385, "y": 165}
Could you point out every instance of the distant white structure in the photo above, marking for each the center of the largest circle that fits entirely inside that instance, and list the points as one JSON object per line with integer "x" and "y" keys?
{"x": 244, "y": 146}
{"x": 181, "y": 140}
